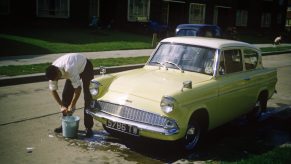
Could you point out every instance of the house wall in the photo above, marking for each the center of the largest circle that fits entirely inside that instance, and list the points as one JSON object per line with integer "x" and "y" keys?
{"x": 113, "y": 13}
{"x": 79, "y": 12}
{"x": 20, "y": 12}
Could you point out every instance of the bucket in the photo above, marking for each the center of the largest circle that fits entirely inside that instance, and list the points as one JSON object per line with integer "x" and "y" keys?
{"x": 70, "y": 126}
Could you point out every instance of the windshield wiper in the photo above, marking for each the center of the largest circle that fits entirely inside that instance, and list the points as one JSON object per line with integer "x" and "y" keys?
{"x": 161, "y": 64}
{"x": 176, "y": 65}
{"x": 156, "y": 62}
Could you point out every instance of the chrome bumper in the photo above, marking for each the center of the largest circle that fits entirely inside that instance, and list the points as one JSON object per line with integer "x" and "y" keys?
{"x": 103, "y": 117}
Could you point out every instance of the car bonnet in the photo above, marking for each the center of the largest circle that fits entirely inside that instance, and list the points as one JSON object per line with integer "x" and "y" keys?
{"x": 152, "y": 84}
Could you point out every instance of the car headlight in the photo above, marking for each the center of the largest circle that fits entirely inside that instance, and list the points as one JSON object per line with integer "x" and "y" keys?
{"x": 167, "y": 104}
{"x": 94, "y": 87}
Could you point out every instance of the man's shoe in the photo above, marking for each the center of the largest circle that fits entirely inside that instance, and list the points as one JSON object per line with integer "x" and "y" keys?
{"x": 89, "y": 133}
{"x": 58, "y": 129}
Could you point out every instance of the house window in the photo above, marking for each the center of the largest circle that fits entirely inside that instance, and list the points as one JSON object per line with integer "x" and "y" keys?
{"x": 288, "y": 19}
{"x": 4, "y": 7}
{"x": 138, "y": 10}
{"x": 266, "y": 20}
{"x": 196, "y": 13}
{"x": 241, "y": 18}
{"x": 53, "y": 8}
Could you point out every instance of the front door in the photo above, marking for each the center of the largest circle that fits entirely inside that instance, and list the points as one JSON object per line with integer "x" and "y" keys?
{"x": 222, "y": 17}
{"x": 176, "y": 14}
{"x": 93, "y": 8}
{"x": 232, "y": 86}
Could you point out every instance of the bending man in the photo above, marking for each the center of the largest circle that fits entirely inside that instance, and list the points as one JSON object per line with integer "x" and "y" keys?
{"x": 73, "y": 67}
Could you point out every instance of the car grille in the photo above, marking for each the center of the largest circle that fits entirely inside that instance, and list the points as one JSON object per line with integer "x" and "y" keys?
{"x": 132, "y": 114}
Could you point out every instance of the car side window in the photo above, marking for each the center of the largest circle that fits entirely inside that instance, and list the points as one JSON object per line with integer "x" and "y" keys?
{"x": 251, "y": 58}
{"x": 230, "y": 62}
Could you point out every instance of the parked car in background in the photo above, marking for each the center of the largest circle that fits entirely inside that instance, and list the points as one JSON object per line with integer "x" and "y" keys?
{"x": 189, "y": 85}
{"x": 204, "y": 30}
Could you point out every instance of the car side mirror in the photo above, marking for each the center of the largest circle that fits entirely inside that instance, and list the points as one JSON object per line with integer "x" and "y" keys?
{"x": 187, "y": 84}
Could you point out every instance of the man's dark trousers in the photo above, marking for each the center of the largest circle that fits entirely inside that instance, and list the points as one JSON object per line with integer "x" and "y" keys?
{"x": 68, "y": 92}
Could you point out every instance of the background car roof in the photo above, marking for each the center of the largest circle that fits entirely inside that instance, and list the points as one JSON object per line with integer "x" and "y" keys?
{"x": 195, "y": 25}
{"x": 207, "y": 42}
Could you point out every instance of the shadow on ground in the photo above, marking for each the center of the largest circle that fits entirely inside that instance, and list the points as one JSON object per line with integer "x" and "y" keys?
{"x": 14, "y": 48}
{"x": 233, "y": 142}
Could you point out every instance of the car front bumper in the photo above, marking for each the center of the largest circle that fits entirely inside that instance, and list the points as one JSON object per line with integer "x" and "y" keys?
{"x": 145, "y": 130}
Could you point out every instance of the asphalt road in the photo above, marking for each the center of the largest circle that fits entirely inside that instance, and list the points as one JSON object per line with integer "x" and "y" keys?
{"x": 29, "y": 115}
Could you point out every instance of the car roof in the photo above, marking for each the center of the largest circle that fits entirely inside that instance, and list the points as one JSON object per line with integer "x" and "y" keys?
{"x": 215, "y": 43}
{"x": 195, "y": 25}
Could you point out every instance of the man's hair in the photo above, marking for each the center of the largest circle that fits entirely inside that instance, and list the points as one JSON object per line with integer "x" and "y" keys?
{"x": 51, "y": 72}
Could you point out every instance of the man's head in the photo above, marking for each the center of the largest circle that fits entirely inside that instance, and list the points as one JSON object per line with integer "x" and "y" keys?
{"x": 52, "y": 73}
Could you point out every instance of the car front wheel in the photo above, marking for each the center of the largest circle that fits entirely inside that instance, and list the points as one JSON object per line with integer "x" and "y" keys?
{"x": 192, "y": 136}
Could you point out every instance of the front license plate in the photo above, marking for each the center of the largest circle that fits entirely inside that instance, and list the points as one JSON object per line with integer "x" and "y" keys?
{"x": 122, "y": 127}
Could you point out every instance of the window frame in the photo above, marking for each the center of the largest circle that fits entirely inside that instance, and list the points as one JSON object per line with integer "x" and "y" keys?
{"x": 245, "y": 54}
{"x": 241, "y": 18}
{"x": 192, "y": 19}
{"x": 92, "y": 10}
{"x": 57, "y": 13}
{"x": 266, "y": 19}
{"x": 6, "y": 7}
{"x": 143, "y": 17}
{"x": 224, "y": 63}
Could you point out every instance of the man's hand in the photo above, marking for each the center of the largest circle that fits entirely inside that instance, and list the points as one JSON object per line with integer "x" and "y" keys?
{"x": 64, "y": 110}
{"x": 71, "y": 110}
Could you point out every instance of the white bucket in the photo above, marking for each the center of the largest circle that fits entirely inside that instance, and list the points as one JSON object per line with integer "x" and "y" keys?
{"x": 70, "y": 125}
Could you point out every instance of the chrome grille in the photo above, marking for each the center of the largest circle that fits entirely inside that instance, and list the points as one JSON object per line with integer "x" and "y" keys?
{"x": 132, "y": 114}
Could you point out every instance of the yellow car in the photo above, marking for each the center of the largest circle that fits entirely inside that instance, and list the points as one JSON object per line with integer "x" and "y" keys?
{"x": 188, "y": 86}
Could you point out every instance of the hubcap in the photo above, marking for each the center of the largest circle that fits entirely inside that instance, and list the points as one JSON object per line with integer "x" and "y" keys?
{"x": 192, "y": 137}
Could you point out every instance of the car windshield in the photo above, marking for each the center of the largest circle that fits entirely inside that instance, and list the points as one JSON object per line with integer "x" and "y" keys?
{"x": 185, "y": 57}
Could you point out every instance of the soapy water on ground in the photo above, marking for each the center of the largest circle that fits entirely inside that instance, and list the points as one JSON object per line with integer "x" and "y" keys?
{"x": 238, "y": 138}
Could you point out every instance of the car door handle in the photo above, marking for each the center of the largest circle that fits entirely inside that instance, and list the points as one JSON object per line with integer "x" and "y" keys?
{"x": 247, "y": 78}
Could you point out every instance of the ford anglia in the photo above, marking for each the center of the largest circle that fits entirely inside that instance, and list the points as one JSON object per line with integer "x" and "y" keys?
{"x": 189, "y": 85}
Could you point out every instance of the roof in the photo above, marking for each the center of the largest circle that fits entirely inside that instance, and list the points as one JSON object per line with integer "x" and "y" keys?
{"x": 207, "y": 42}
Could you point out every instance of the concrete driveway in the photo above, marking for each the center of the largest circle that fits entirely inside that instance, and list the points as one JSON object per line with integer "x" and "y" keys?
{"x": 29, "y": 115}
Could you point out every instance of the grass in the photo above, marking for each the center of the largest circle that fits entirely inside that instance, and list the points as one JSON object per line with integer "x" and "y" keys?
{"x": 276, "y": 48}
{"x": 14, "y": 70}
{"x": 63, "y": 40}
{"x": 276, "y": 156}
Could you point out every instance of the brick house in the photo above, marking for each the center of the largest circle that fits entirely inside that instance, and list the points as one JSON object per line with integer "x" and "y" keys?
{"x": 246, "y": 15}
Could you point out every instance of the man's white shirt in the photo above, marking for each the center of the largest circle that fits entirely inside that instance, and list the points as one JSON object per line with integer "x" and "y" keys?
{"x": 71, "y": 66}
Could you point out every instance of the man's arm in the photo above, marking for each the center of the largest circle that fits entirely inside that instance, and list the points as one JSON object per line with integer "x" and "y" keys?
{"x": 57, "y": 97}
{"x": 76, "y": 96}
{"x": 58, "y": 100}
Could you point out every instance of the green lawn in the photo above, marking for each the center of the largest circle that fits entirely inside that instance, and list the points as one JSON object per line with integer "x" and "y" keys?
{"x": 36, "y": 41}
{"x": 277, "y": 48}
{"x": 278, "y": 155}
{"x": 45, "y": 40}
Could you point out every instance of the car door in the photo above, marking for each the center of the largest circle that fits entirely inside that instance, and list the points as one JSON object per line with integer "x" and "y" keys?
{"x": 252, "y": 76}
{"x": 232, "y": 85}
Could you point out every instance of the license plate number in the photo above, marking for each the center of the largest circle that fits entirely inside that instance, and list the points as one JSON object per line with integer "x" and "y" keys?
{"x": 122, "y": 127}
